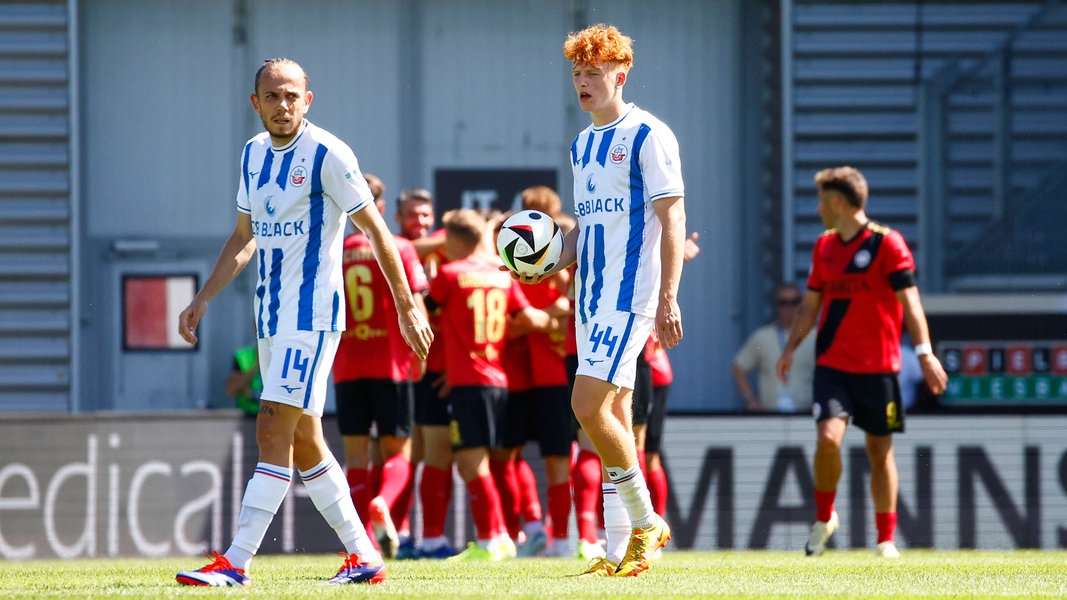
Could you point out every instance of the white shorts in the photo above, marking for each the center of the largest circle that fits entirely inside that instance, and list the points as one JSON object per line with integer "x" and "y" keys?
{"x": 296, "y": 366}
{"x": 609, "y": 344}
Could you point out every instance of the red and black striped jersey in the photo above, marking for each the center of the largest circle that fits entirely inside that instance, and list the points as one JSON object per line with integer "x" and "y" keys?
{"x": 861, "y": 320}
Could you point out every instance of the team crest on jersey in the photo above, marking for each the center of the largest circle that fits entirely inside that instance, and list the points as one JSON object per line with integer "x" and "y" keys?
{"x": 862, "y": 258}
{"x": 618, "y": 153}
{"x": 590, "y": 185}
{"x": 298, "y": 175}
{"x": 267, "y": 206}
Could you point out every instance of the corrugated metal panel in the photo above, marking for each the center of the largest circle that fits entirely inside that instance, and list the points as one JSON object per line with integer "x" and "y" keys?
{"x": 35, "y": 213}
{"x": 856, "y": 68}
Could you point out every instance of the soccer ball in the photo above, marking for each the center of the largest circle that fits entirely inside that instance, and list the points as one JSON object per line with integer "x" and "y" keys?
{"x": 530, "y": 242}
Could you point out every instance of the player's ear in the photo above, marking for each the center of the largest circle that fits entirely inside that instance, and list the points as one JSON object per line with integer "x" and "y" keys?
{"x": 620, "y": 79}
{"x": 308, "y": 97}
{"x": 255, "y": 102}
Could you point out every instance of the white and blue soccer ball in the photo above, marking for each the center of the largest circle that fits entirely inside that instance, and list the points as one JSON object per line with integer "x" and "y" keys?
{"x": 530, "y": 242}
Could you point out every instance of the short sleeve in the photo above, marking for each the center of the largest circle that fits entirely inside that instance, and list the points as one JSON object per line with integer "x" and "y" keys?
{"x": 243, "y": 205}
{"x": 343, "y": 181}
{"x": 897, "y": 255}
{"x": 815, "y": 275}
{"x": 661, "y": 164}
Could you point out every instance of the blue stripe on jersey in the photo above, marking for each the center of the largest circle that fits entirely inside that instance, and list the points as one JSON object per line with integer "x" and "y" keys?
{"x": 311, "y": 374}
{"x": 305, "y": 310}
{"x": 584, "y": 271}
{"x": 260, "y": 290}
{"x": 599, "y": 262}
{"x": 622, "y": 346}
{"x": 244, "y": 165}
{"x": 605, "y": 145}
{"x": 336, "y": 310}
{"x": 588, "y": 149}
{"x": 264, "y": 170}
{"x": 276, "y": 257}
{"x": 574, "y": 150}
{"x": 283, "y": 173}
{"x": 637, "y": 223}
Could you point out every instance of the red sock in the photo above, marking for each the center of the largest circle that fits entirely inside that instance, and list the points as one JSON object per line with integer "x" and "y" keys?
{"x": 402, "y": 508}
{"x": 886, "y": 523}
{"x": 559, "y": 509}
{"x": 357, "y": 486}
{"x": 485, "y": 507}
{"x": 529, "y": 500}
{"x": 507, "y": 486}
{"x": 374, "y": 480}
{"x": 395, "y": 474}
{"x": 435, "y": 491}
{"x": 585, "y": 479}
{"x": 657, "y": 489}
{"x": 824, "y": 505}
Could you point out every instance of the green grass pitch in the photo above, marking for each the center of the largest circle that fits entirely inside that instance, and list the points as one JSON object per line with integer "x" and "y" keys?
{"x": 679, "y": 574}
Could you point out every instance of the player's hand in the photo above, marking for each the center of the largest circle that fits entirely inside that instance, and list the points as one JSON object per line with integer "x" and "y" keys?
{"x": 691, "y": 248}
{"x": 526, "y": 279}
{"x": 669, "y": 324}
{"x": 417, "y": 332}
{"x": 933, "y": 373}
{"x": 784, "y": 364}
{"x": 189, "y": 319}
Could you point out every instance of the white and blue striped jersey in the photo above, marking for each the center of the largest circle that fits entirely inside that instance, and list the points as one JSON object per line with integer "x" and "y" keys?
{"x": 620, "y": 169}
{"x": 299, "y": 197}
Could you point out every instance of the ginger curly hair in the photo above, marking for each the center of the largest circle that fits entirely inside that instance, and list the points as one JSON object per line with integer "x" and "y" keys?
{"x": 599, "y": 44}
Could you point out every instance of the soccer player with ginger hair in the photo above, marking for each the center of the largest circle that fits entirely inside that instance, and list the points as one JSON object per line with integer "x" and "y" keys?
{"x": 861, "y": 289}
{"x": 629, "y": 269}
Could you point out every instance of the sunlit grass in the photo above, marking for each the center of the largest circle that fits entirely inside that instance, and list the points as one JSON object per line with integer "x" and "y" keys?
{"x": 920, "y": 574}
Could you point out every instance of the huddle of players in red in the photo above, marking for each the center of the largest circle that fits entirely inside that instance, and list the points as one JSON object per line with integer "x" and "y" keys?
{"x": 498, "y": 375}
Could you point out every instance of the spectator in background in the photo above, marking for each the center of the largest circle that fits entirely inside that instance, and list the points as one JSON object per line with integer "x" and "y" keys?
{"x": 911, "y": 373}
{"x": 244, "y": 383}
{"x": 760, "y": 352}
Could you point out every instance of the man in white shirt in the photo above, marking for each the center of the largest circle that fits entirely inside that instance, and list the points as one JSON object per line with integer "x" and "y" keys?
{"x": 760, "y": 353}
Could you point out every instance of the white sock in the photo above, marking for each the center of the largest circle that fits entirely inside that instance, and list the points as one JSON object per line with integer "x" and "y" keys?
{"x": 633, "y": 491}
{"x": 263, "y": 495}
{"x": 616, "y": 524}
{"x": 328, "y": 489}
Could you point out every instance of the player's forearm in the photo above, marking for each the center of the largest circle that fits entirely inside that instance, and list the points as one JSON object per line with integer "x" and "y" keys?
{"x": 914, "y": 317}
{"x": 569, "y": 255}
{"x": 672, "y": 248}
{"x": 233, "y": 257}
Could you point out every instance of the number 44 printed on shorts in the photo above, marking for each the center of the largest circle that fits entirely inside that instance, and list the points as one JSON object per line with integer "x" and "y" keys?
{"x": 602, "y": 337}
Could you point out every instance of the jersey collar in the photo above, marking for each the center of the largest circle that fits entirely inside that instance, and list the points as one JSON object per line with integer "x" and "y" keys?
{"x": 629, "y": 108}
